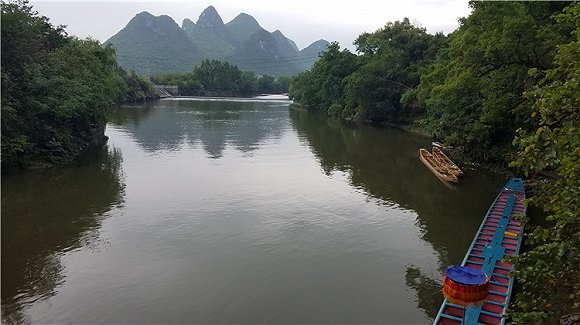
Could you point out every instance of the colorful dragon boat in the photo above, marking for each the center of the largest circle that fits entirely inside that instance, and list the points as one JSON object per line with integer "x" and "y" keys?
{"x": 498, "y": 237}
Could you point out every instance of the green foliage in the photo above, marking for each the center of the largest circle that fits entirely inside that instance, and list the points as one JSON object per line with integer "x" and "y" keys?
{"x": 217, "y": 75}
{"x": 370, "y": 86}
{"x": 266, "y": 82}
{"x": 393, "y": 59}
{"x": 549, "y": 273}
{"x": 270, "y": 85}
{"x": 138, "y": 88}
{"x": 322, "y": 88}
{"x": 220, "y": 78}
{"x": 473, "y": 92}
{"x": 501, "y": 71}
{"x": 282, "y": 84}
{"x": 55, "y": 89}
{"x": 248, "y": 82}
{"x": 187, "y": 83}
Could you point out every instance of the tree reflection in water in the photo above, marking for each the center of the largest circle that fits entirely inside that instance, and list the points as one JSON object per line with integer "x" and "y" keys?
{"x": 383, "y": 162}
{"x": 46, "y": 213}
{"x": 215, "y": 124}
{"x": 429, "y": 291}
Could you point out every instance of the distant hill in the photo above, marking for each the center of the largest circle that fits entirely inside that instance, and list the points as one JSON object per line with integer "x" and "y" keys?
{"x": 286, "y": 46}
{"x": 211, "y": 34}
{"x": 151, "y": 45}
{"x": 213, "y": 45}
{"x": 310, "y": 53}
{"x": 261, "y": 53}
{"x": 243, "y": 26}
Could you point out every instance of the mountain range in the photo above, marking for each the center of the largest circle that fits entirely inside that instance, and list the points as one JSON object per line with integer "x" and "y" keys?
{"x": 157, "y": 44}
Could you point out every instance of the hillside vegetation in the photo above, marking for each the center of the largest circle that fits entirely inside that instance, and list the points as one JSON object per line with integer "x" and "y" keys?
{"x": 56, "y": 89}
{"x": 220, "y": 78}
{"x": 153, "y": 45}
{"x": 467, "y": 88}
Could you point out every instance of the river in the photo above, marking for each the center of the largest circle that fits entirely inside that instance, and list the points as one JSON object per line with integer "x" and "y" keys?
{"x": 236, "y": 211}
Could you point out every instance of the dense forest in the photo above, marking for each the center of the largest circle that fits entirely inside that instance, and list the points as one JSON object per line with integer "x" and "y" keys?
{"x": 56, "y": 89}
{"x": 220, "y": 78}
{"x": 467, "y": 88}
{"x": 503, "y": 87}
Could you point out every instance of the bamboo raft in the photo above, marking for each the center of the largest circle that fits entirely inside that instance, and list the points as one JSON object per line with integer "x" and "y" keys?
{"x": 436, "y": 167}
{"x": 499, "y": 236}
{"x": 445, "y": 161}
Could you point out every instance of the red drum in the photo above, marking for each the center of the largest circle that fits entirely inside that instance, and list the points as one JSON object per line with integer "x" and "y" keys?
{"x": 465, "y": 286}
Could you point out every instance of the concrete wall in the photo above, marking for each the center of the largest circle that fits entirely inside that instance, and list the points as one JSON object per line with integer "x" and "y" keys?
{"x": 167, "y": 90}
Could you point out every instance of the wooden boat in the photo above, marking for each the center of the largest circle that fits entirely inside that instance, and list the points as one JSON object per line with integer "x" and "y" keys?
{"x": 445, "y": 161}
{"x": 437, "y": 144}
{"x": 499, "y": 236}
{"x": 436, "y": 167}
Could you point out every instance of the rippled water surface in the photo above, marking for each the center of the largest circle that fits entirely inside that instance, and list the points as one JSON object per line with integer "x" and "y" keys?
{"x": 236, "y": 211}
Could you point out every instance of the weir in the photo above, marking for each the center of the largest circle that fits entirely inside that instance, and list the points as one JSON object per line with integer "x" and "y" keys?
{"x": 165, "y": 91}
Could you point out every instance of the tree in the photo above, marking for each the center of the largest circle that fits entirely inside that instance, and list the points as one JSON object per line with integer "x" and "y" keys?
{"x": 321, "y": 89}
{"x": 393, "y": 58}
{"x": 248, "y": 83}
{"x": 282, "y": 84}
{"x": 302, "y": 90}
{"x": 216, "y": 75}
{"x": 549, "y": 273}
{"x": 266, "y": 84}
{"x": 370, "y": 86}
{"x": 473, "y": 92}
{"x": 138, "y": 88}
{"x": 55, "y": 89}
{"x": 222, "y": 78}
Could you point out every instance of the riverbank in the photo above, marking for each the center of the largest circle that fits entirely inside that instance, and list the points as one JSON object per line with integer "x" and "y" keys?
{"x": 457, "y": 154}
{"x": 57, "y": 153}
{"x": 411, "y": 128}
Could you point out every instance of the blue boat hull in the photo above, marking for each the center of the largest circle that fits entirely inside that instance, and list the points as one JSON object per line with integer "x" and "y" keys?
{"x": 498, "y": 237}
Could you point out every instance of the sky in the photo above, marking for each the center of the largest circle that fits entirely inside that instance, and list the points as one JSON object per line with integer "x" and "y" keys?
{"x": 303, "y": 21}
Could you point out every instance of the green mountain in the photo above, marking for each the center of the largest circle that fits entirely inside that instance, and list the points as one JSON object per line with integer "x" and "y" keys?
{"x": 210, "y": 34}
{"x": 210, "y": 21}
{"x": 261, "y": 51}
{"x": 310, "y": 54}
{"x": 243, "y": 26}
{"x": 211, "y": 44}
{"x": 152, "y": 45}
{"x": 261, "y": 54}
{"x": 286, "y": 46}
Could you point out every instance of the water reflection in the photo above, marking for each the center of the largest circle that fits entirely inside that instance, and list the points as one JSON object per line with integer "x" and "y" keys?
{"x": 46, "y": 213}
{"x": 326, "y": 223}
{"x": 215, "y": 124}
{"x": 428, "y": 290}
{"x": 383, "y": 163}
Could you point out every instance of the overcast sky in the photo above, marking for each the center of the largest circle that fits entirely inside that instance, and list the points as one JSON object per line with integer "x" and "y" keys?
{"x": 303, "y": 21}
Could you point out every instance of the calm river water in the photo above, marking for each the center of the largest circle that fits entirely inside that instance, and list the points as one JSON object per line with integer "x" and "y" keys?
{"x": 225, "y": 211}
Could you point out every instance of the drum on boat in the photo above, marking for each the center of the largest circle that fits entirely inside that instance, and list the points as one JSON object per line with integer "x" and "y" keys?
{"x": 465, "y": 286}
